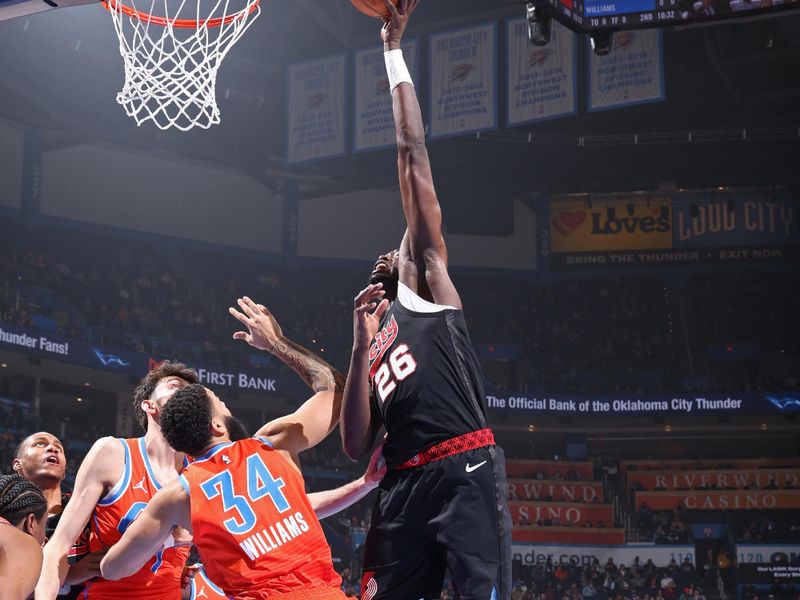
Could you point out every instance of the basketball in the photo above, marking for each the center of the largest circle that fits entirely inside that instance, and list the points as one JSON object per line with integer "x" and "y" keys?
{"x": 374, "y": 8}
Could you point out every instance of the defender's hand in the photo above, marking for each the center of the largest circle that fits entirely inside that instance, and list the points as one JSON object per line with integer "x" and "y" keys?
{"x": 376, "y": 468}
{"x": 263, "y": 331}
{"x": 86, "y": 568}
{"x": 368, "y": 310}
{"x": 394, "y": 27}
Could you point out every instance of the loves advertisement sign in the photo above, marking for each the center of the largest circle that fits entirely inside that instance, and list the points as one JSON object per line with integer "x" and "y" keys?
{"x": 617, "y": 223}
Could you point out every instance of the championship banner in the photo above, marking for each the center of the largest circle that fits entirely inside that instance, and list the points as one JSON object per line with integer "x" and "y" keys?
{"x": 735, "y": 220}
{"x": 539, "y": 554}
{"x": 580, "y": 536}
{"x": 561, "y": 514}
{"x": 555, "y": 491}
{"x": 463, "y": 81}
{"x": 723, "y": 480}
{"x": 700, "y": 464}
{"x": 316, "y": 119}
{"x": 720, "y": 500}
{"x": 533, "y": 469}
{"x": 542, "y": 80}
{"x": 373, "y": 126}
{"x": 632, "y": 73}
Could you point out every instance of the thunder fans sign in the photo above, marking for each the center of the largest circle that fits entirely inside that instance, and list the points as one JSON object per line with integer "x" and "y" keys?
{"x": 632, "y": 73}
{"x": 463, "y": 81}
{"x": 542, "y": 80}
{"x": 374, "y": 123}
{"x": 316, "y": 119}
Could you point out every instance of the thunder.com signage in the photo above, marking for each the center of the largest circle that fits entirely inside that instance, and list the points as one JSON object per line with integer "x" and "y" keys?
{"x": 685, "y": 229}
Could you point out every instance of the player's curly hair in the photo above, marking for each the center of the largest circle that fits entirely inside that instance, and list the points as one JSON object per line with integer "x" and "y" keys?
{"x": 19, "y": 498}
{"x": 148, "y": 385}
{"x": 186, "y": 419}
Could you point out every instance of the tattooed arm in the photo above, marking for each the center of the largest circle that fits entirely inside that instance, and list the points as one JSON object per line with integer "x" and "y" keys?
{"x": 317, "y": 417}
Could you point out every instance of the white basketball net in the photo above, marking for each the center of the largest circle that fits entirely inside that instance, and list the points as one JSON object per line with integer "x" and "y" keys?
{"x": 171, "y": 60}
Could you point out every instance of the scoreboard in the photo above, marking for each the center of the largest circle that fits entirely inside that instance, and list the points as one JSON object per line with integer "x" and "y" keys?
{"x": 586, "y": 16}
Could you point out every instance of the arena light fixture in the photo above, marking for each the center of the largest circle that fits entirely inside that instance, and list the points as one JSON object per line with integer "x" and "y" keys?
{"x": 601, "y": 42}
{"x": 539, "y": 24}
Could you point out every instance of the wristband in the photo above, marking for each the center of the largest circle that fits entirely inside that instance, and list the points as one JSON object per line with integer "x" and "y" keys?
{"x": 396, "y": 68}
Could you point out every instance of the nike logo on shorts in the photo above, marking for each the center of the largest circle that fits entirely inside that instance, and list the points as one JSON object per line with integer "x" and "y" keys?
{"x": 470, "y": 469}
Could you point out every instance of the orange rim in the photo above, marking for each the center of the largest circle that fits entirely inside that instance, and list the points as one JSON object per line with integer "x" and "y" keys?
{"x": 144, "y": 17}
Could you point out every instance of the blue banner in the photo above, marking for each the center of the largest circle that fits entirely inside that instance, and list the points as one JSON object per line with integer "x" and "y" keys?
{"x": 732, "y": 220}
{"x": 53, "y": 345}
{"x": 690, "y": 405}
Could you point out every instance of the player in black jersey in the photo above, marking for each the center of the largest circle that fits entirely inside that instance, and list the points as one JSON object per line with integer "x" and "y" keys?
{"x": 414, "y": 372}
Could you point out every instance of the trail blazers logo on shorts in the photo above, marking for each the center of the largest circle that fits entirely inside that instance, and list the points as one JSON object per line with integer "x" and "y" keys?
{"x": 369, "y": 587}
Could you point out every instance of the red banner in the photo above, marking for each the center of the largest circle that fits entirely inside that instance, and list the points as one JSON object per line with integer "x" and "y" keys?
{"x": 700, "y": 464}
{"x": 549, "y": 469}
{"x": 721, "y": 480}
{"x": 733, "y": 500}
{"x": 561, "y": 513}
{"x": 568, "y": 535}
{"x": 555, "y": 491}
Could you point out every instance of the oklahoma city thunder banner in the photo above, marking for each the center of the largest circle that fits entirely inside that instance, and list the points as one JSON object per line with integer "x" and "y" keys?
{"x": 632, "y": 73}
{"x": 463, "y": 81}
{"x": 316, "y": 120}
{"x": 541, "y": 79}
{"x": 374, "y": 125}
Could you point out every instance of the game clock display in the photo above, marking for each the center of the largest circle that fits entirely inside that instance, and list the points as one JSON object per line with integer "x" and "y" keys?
{"x": 593, "y": 15}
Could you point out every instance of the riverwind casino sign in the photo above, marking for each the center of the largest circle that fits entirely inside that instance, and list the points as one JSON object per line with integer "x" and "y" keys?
{"x": 635, "y": 230}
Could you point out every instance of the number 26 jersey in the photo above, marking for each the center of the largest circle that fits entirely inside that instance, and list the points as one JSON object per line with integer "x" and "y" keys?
{"x": 425, "y": 377}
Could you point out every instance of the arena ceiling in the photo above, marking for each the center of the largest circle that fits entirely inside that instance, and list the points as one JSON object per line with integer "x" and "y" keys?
{"x": 61, "y": 71}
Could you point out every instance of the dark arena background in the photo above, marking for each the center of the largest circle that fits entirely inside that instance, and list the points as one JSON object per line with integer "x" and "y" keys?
{"x": 621, "y": 206}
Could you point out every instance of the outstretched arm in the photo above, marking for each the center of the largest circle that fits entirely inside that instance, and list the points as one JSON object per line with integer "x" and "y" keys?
{"x": 423, "y": 254}
{"x": 330, "y": 502}
{"x": 168, "y": 509}
{"x": 319, "y": 415}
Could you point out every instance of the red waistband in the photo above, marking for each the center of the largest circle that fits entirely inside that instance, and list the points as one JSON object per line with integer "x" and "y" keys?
{"x": 456, "y": 445}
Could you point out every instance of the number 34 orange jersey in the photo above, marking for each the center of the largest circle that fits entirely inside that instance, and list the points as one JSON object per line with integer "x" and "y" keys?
{"x": 254, "y": 526}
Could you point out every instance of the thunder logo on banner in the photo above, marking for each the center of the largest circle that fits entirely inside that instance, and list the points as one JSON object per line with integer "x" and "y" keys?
{"x": 463, "y": 81}
{"x": 316, "y": 109}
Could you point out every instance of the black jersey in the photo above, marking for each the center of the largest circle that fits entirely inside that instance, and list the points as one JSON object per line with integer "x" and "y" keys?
{"x": 79, "y": 549}
{"x": 426, "y": 380}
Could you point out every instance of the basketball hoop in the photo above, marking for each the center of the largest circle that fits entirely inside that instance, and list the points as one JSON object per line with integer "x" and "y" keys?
{"x": 171, "y": 61}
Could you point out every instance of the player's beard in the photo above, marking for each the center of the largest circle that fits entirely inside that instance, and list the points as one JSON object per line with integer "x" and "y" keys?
{"x": 389, "y": 284}
{"x": 236, "y": 429}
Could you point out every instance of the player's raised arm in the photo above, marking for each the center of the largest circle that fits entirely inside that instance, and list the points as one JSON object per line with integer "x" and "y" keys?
{"x": 98, "y": 473}
{"x": 423, "y": 254}
{"x": 319, "y": 415}
{"x": 168, "y": 509}
{"x": 360, "y": 421}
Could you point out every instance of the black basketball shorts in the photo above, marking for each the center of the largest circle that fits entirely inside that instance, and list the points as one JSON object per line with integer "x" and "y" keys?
{"x": 448, "y": 514}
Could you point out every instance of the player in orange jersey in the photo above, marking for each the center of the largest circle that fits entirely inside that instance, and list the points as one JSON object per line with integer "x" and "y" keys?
{"x": 119, "y": 477}
{"x": 244, "y": 501}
